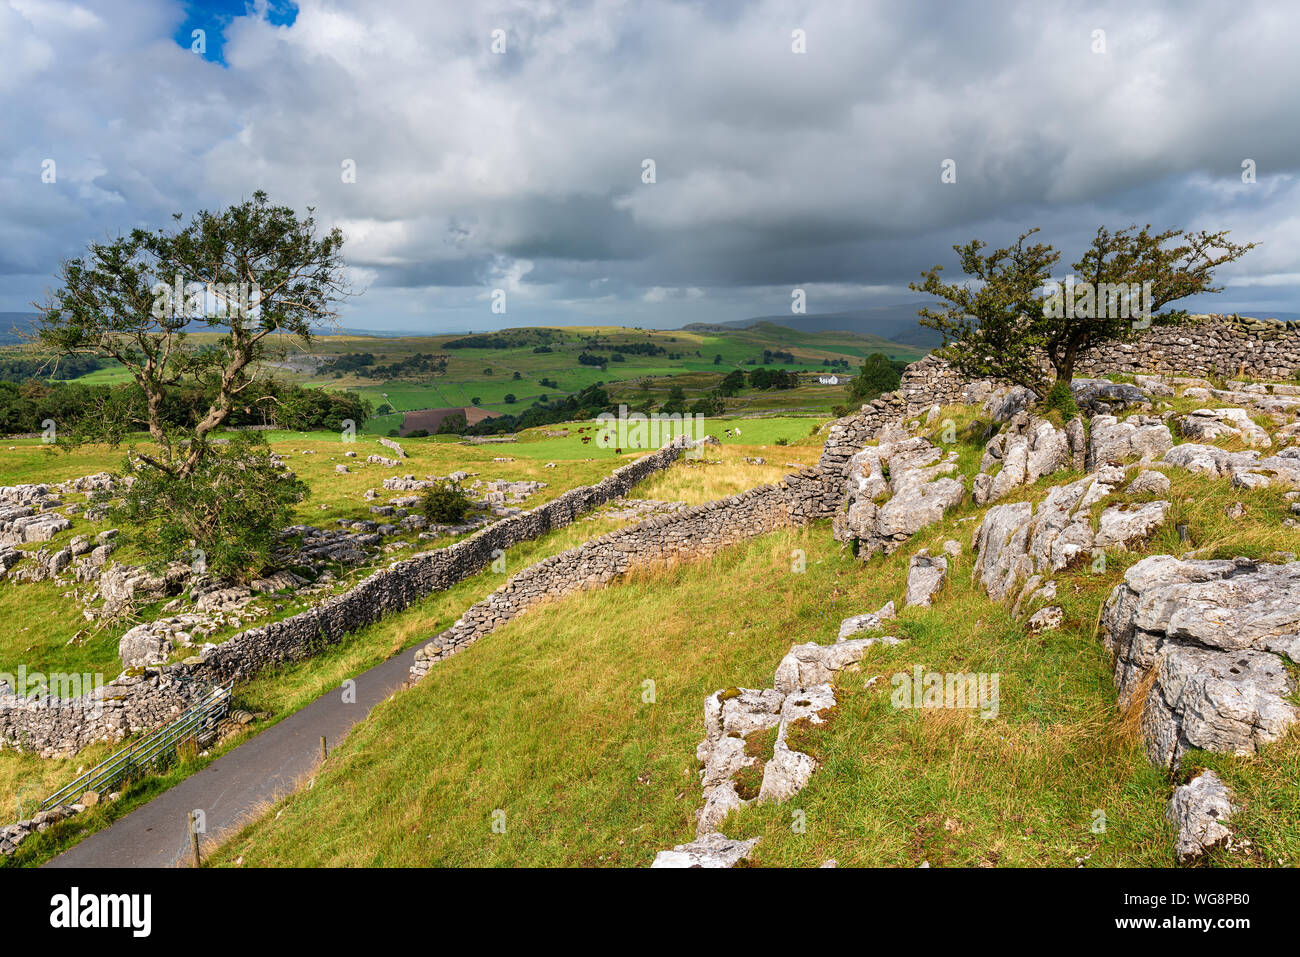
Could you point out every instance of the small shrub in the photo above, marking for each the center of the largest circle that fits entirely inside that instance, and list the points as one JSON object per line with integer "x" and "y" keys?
{"x": 1061, "y": 401}
{"x": 748, "y": 781}
{"x": 445, "y": 503}
{"x": 230, "y": 509}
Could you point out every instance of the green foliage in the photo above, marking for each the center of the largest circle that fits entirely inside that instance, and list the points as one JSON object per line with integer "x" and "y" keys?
{"x": 587, "y": 404}
{"x": 445, "y": 503}
{"x": 732, "y": 382}
{"x": 773, "y": 379}
{"x": 453, "y": 423}
{"x": 879, "y": 374}
{"x": 417, "y": 367}
{"x": 247, "y": 273}
{"x": 710, "y": 405}
{"x": 507, "y": 339}
{"x": 21, "y": 368}
{"x": 676, "y": 403}
{"x": 1061, "y": 401}
{"x": 231, "y": 507}
{"x": 106, "y": 414}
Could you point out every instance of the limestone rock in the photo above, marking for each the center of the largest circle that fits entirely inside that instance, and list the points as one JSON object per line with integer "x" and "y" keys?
{"x": 895, "y": 489}
{"x": 1124, "y": 525}
{"x": 1004, "y": 405}
{"x": 1149, "y": 482}
{"x": 1101, "y": 395}
{"x": 805, "y": 666}
{"x": 926, "y": 574}
{"x": 1205, "y": 425}
{"x": 143, "y": 646}
{"x": 1025, "y": 451}
{"x": 712, "y": 850}
{"x": 1046, "y": 619}
{"x": 1199, "y": 643}
{"x": 1199, "y": 811}
{"x": 788, "y": 771}
{"x": 1016, "y": 541}
{"x": 722, "y": 800}
{"x": 865, "y": 622}
{"x": 1140, "y": 437}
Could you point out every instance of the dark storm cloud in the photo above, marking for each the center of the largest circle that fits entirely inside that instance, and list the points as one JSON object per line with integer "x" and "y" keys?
{"x": 523, "y": 170}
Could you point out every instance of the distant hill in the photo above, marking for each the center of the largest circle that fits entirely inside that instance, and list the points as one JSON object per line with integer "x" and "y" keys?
{"x": 9, "y": 321}
{"x": 897, "y": 323}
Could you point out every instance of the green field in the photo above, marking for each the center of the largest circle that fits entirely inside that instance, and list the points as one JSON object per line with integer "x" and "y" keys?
{"x": 690, "y": 361}
{"x": 489, "y": 374}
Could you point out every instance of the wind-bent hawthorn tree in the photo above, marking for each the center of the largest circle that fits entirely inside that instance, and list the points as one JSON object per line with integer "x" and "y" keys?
{"x": 1015, "y": 323}
{"x": 249, "y": 273}
{"x": 257, "y": 276}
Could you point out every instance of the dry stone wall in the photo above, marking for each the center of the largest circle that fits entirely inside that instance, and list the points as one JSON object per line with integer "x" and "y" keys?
{"x": 1216, "y": 345}
{"x": 142, "y": 701}
{"x": 926, "y": 383}
{"x": 691, "y": 533}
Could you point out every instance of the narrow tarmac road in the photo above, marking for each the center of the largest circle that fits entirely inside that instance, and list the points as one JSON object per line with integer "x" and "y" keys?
{"x": 264, "y": 768}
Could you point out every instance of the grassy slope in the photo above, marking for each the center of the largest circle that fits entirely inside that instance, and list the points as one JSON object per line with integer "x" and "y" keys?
{"x": 49, "y": 620}
{"x": 544, "y": 720}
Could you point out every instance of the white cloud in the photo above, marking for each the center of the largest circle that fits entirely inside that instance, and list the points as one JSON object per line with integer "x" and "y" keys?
{"x": 773, "y": 167}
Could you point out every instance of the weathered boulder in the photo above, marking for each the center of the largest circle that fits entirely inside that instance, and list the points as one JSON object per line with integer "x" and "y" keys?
{"x": 926, "y": 574}
{"x": 1003, "y": 405}
{"x": 1208, "y": 460}
{"x": 722, "y": 800}
{"x": 895, "y": 489}
{"x": 1025, "y": 451}
{"x": 222, "y": 598}
{"x": 1124, "y": 525}
{"x": 1046, "y": 619}
{"x": 1245, "y": 469}
{"x": 865, "y": 622}
{"x": 397, "y": 449}
{"x": 712, "y": 850}
{"x": 1017, "y": 541}
{"x": 1206, "y": 425}
{"x": 788, "y": 771}
{"x": 1154, "y": 385}
{"x": 805, "y": 666}
{"x": 1149, "y": 482}
{"x": 1140, "y": 437}
{"x": 1281, "y": 469}
{"x": 142, "y": 645}
{"x": 1102, "y": 395}
{"x": 1198, "y": 646}
{"x": 739, "y": 711}
{"x": 1199, "y": 811}
{"x": 125, "y": 585}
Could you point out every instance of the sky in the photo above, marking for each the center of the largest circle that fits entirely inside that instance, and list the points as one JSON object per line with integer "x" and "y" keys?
{"x": 466, "y": 148}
